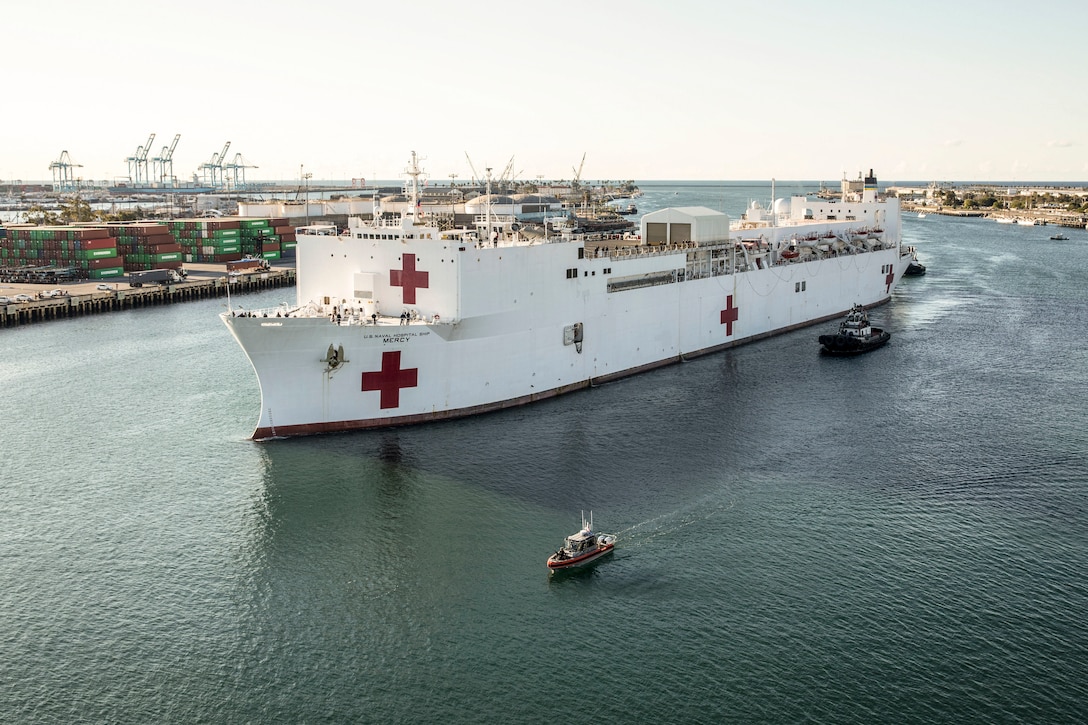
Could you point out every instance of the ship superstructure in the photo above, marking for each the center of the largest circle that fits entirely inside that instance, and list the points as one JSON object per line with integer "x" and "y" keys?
{"x": 398, "y": 321}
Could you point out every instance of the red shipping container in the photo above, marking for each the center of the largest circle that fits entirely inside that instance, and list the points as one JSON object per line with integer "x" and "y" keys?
{"x": 106, "y": 242}
{"x": 146, "y": 230}
{"x": 103, "y": 263}
{"x": 93, "y": 233}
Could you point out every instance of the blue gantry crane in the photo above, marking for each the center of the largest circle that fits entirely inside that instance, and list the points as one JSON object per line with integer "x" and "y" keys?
{"x": 164, "y": 163}
{"x": 63, "y": 179}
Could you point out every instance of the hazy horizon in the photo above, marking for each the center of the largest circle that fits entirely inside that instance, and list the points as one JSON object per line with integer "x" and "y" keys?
{"x": 638, "y": 89}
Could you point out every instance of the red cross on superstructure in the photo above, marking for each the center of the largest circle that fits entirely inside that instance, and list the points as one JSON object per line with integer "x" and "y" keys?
{"x": 409, "y": 278}
{"x": 390, "y": 379}
{"x": 729, "y": 315}
{"x": 889, "y": 279}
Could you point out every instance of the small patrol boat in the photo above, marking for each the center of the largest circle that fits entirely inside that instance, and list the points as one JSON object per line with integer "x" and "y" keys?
{"x": 855, "y": 335}
{"x": 582, "y": 548}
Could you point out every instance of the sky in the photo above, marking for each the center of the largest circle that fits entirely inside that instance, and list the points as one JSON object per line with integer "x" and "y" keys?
{"x": 664, "y": 89}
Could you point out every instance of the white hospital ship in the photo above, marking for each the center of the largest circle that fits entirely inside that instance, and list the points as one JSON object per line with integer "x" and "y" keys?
{"x": 398, "y": 321}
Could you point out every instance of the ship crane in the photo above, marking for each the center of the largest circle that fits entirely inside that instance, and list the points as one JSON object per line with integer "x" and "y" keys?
{"x": 236, "y": 170}
{"x": 164, "y": 162}
{"x": 62, "y": 172}
{"x": 212, "y": 170}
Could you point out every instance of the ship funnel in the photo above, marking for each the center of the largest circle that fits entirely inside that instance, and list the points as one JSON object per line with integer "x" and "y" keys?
{"x": 869, "y": 192}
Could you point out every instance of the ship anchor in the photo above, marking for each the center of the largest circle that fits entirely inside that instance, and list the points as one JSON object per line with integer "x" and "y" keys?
{"x": 334, "y": 358}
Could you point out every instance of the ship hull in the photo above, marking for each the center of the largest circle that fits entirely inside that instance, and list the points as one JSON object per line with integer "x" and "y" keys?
{"x": 519, "y": 349}
{"x": 580, "y": 561}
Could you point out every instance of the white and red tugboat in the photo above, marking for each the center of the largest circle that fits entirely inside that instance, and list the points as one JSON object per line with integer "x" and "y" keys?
{"x": 581, "y": 548}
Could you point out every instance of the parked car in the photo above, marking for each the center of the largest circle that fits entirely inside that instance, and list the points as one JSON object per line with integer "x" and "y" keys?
{"x": 104, "y": 287}
{"x": 23, "y": 298}
{"x": 6, "y": 300}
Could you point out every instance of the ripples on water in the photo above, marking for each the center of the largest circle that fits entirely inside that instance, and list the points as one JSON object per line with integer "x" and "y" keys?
{"x": 896, "y": 538}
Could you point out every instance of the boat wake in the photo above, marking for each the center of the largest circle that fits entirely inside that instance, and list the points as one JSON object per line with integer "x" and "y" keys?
{"x": 667, "y": 525}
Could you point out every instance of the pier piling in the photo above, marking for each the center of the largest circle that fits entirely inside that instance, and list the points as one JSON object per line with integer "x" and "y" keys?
{"x": 77, "y": 305}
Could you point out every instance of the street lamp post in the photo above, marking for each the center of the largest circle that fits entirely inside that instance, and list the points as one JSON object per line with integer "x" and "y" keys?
{"x": 306, "y": 180}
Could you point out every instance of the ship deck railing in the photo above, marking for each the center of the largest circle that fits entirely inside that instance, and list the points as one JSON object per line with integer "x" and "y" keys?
{"x": 346, "y": 316}
{"x": 816, "y": 250}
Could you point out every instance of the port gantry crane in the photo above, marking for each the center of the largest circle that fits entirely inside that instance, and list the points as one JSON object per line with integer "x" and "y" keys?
{"x": 62, "y": 172}
{"x": 236, "y": 170}
{"x": 137, "y": 163}
{"x": 164, "y": 162}
{"x": 212, "y": 170}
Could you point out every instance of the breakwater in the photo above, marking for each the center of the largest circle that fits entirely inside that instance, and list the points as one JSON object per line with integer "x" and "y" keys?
{"x": 78, "y": 304}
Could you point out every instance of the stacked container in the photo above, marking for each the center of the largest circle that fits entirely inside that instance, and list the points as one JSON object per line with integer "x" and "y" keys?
{"x": 228, "y": 239}
{"x": 286, "y": 233}
{"x": 89, "y": 251}
{"x": 208, "y": 240}
{"x": 258, "y": 239}
{"x": 147, "y": 246}
{"x": 101, "y": 250}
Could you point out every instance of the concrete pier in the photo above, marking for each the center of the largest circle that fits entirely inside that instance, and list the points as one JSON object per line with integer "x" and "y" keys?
{"x": 92, "y": 301}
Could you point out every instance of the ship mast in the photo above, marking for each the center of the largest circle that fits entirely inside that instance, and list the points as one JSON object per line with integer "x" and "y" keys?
{"x": 774, "y": 211}
{"x": 414, "y": 172}
{"x": 488, "y": 217}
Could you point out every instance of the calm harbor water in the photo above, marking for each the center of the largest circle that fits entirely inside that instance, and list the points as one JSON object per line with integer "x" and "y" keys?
{"x": 901, "y": 537}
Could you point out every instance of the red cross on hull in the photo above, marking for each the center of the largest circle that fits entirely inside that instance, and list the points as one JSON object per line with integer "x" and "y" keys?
{"x": 409, "y": 279}
{"x": 390, "y": 379}
{"x": 729, "y": 315}
{"x": 889, "y": 279}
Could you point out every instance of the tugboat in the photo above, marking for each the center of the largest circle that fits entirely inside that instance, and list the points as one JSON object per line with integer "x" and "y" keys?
{"x": 1060, "y": 237}
{"x": 582, "y": 548}
{"x": 855, "y": 335}
{"x": 914, "y": 267}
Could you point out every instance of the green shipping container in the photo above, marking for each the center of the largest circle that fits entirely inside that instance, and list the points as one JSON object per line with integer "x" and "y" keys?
{"x": 270, "y": 255}
{"x": 95, "y": 253}
{"x": 107, "y": 273}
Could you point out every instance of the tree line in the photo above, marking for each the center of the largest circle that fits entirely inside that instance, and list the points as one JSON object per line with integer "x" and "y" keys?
{"x": 965, "y": 199}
